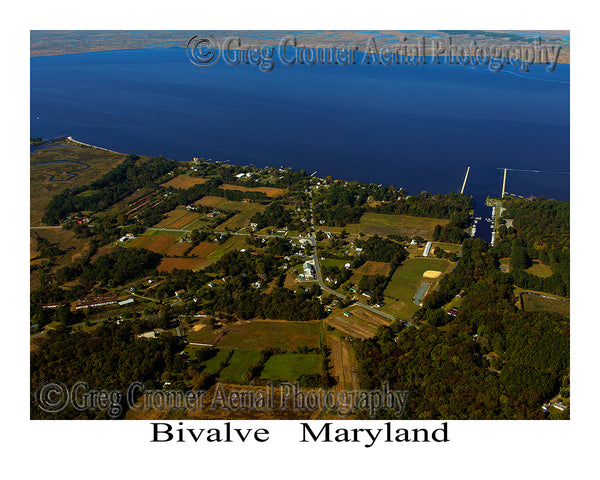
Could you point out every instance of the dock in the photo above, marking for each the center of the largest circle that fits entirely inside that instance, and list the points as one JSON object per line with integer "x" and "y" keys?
{"x": 465, "y": 181}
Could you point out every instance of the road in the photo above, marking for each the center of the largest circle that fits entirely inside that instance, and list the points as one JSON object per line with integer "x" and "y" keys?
{"x": 319, "y": 276}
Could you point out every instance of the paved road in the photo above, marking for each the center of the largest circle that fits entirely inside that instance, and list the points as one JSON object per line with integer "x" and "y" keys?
{"x": 239, "y": 234}
{"x": 320, "y": 277}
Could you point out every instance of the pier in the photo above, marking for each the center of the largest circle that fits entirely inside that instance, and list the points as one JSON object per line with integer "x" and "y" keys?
{"x": 465, "y": 181}
{"x": 503, "y": 184}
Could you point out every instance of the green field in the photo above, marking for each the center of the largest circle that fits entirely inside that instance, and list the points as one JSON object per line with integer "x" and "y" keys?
{"x": 212, "y": 364}
{"x": 533, "y": 303}
{"x": 404, "y": 283}
{"x": 239, "y": 363}
{"x": 449, "y": 247}
{"x": 241, "y": 219}
{"x": 334, "y": 262}
{"x": 256, "y": 335}
{"x": 235, "y": 242}
{"x": 290, "y": 366}
{"x": 540, "y": 270}
{"x": 385, "y": 224}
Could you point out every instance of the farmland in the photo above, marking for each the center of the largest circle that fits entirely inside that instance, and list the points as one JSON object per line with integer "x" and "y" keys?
{"x": 374, "y": 268}
{"x": 169, "y": 264}
{"x": 184, "y": 181}
{"x": 242, "y": 219}
{"x": 359, "y": 324}
{"x": 344, "y": 364}
{"x": 238, "y": 364}
{"x": 385, "y": 224}
{"x": 204, "y": 249}
{"x": 290, "y": 366}
{"x": 159, "y": 243}
{"x": 271, "y": 192}
{"x": 259, "y": 334}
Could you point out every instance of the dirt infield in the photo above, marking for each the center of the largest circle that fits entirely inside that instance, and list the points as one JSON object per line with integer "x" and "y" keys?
{"x": 431, "y": 274}
{"x": 374, "y": 268}
{"x": 183, "y": 181}
{"x": 169, "y": 264}
{"x": 204, "y": 249}
{"x": 270, "y": 191}
{"x": 178, "y": 249}
{"x": 344, "y": 364}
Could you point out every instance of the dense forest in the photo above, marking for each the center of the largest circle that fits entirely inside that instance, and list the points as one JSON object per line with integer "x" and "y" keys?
{"x": 490, "y": 361}
{"x": 110, "y": 358}
{"x": 428, "y": 205}
{"x": 539, "y": 231}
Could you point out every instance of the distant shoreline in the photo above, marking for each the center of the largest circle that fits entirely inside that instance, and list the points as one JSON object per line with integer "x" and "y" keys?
{"x": 49, "y": 43}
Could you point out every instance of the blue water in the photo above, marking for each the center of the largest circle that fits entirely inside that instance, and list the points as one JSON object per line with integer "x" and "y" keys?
{"x": 416, "y": 127}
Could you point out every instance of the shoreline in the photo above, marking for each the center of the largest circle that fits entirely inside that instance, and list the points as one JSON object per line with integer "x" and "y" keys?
{"x": 71, "y": 139}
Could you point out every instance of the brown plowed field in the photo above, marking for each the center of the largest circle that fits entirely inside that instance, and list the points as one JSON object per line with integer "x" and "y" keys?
{"x": 351, "y": 327}
{"x": 204, "y": 249}
{"x": 374, "y": 268}
{"x": 154, "y": 243}
{"x": 183, "y": 181}
{"x": 184, "y": 220}
{"x": 178, "y": 249}
{"x": 172, "y": 216}
{"x": 169, "y": 264}
{"x": 344, "y": 364}
{"x": 369, "y": 317}
{"x": 270, "y": 191}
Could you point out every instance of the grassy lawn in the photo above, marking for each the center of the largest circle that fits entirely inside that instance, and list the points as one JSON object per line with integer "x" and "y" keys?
{"x": 235, "y": 242}
{"x": 533, "y": 303}
{"x": 385, "y": 224}
{"x": 239, "y": 363}
{"x": 405, "y": 281}
{"x": 290, "y": 366}
{"x": 333, "y": 262}
{"x": 448, "y": 247}
{"x": 212, "y": 364}
{"x": 540, "y": 270}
